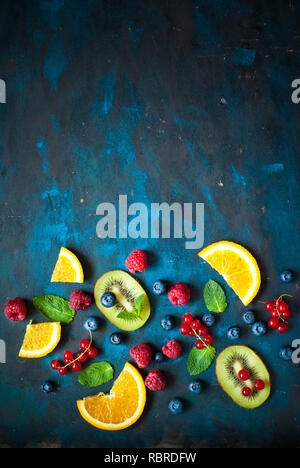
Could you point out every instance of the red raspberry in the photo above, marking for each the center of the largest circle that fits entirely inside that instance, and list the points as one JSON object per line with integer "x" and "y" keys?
{"x": 179, "y": 294}
{"x": 80, "y": 300}
{"x": 156, "y": 381}
{"x": 15, "y": 310}
{"x": 172, "y": 349}
{"x": 142, "y": 354}
{"x": 137, "y": 261}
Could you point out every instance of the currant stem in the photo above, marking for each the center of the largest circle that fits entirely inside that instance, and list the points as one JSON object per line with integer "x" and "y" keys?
{"x": 81, "y": 354}
{"x": 199, "y": 337}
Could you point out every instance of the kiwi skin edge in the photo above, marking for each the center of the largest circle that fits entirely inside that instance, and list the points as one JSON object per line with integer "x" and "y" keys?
{"x": 234, "y": 393}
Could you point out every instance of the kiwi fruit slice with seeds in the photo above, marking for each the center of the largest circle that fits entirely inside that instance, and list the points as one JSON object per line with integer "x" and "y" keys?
{"x": 127, "y": 290}
{"x": 230, "y": 362}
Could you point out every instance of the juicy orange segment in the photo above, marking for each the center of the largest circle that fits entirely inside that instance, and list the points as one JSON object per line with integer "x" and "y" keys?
{"x": 68, "y": 268}
{"x": 121, "y": 407}
{"x": 40, "y": 339}
{"x": 237, "y": 266}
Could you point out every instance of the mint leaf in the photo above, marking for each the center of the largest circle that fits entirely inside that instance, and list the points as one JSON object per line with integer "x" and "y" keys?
{"x": 134, "y": 313}
{"x": 96, "y": 374}
{"x": 125, "y": 315}
{"x": 200, "y": 359}
{"x": 214, "y": 297}
{"x": 54, "y": 308}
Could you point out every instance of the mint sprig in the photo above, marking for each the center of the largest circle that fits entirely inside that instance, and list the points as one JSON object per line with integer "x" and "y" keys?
{"x": 135, "y": 312}
{"x": 214, "y": 297}
{"x": 200, "y": 359}
{"x": 54, "y": 308}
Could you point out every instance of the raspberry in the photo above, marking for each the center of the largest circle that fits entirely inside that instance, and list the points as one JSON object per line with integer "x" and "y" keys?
{"x": 79, "y": 300}
{"x": 179, "y": 294}
{"x": 142, "y": 354}
{"x": 15, "y": 310}
{"x": 172, "y": 349}
{"x": 156, "y": 381}
{"x": 137, "y": 261}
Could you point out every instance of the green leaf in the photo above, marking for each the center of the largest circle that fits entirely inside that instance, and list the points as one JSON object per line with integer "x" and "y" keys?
{"x": 134, "y": 313}
{"x": 96, "y": 374}
{"x": 214, "y": 297}
{"x": 125, "y": 315}
{"x": 200, "y": 359}
{"x": 54, "y": 308}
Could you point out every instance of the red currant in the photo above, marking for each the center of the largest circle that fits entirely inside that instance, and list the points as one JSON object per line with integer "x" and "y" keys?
{"x": 259, "y": 384}
{"x": 199, "y": 344}
{"x": 270, "y": 306}
{"x": 191, "y": 333}
{"x": 84, "y": 344}
{"x": 55, "y": 364}
{"x": 63, "y": 370}
{"x": 282, "y": 328}
{"x": 244, "y": 375}
{"x": 76, "y": 366}
{"x": 202, "y": 330}
{"x": 286, "y": 314}
{"x": 273, "y": 322}
{"x": 196, "y": 324}
{"x": 92, "y": 352}
{"x": 184, "y": 329}
{"x": 274, "y": 313}
{"x": 282, "y": 307}
{"x": 68, "y": 357}
{"x": 246, "y": 391}
{"x": 208, "y": 339}
{"x": 187, "y": 319}
{"x": 82, "y": 357}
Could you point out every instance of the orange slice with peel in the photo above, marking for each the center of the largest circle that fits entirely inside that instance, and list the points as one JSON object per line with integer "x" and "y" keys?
{"x": 237, "y": 266}
{"x": 119, "y": 409}
{"x": 40, "y": 339}
{"x": 68, "y": 268}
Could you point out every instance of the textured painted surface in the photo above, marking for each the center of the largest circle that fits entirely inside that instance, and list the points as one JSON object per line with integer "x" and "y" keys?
{"x": 162, "y": 101}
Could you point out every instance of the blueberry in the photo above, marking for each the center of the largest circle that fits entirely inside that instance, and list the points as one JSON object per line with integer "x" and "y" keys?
{"x": 259, "y": 328}
{"x": 248, "y": 317}
{"x": 286, "y": 276}
{"x": 195, "y": 386}
{"x": 115, "y": 339}
{"x": 286, "y": 353}
{"x": 108, "y": 299}
{"x": 47, "y": 387}
{"x": 175, "y": 406}
{"x": 91, "y": 323}
{"x": 159, "y": 357}
{"x": 233, "y": 333}
{"x": 167, "y": 322}
{"x": 159, "y": 287}
{"x": 208, "y": 319}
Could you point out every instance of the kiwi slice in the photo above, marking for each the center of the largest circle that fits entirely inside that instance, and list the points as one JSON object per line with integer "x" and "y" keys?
{"x": 230, "y": 362}
{"x": 127, "y": 290}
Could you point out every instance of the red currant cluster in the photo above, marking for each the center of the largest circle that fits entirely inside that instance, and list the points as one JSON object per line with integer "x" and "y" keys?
{"x": 75, "y": 361}
{"x": 194, "y": 327}
{"x": 279, "y": 311}
{"x": 244, "y": 375}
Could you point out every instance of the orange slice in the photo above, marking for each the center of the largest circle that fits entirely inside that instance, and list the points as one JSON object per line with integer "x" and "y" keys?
{"x": 68, "y": 268}
{"x": 237, "y": 266}
{"x": 40, "y": 339}
{"x": 119, "y": 409}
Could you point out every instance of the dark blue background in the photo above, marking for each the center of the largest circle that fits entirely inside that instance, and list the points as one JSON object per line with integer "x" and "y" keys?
{"x": 182, "y": 101}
